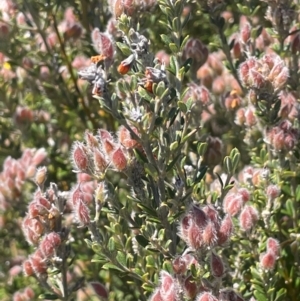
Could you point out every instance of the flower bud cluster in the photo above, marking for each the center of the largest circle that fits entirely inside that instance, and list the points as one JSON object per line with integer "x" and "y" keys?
{"x": 42, "y": 215}
{"x": 195, "y": 50}
{"x": 234, "y": 203}
{"x": 70, "y": 27}
{"x": 16, "y": 172}
{"x": 254, "y": 176}
{"x": 283, "y": 137}
{"x": 268, "y": 259}
{"x": 203, "y": 228}
{"x": 241, "y": 41}
{"x": 267, "y": 74}
{"x": 25, "y": 295}
{"x": 79, "y": 204}
{"x": 188, "y": 285}
{"x": 183, "y": 285}
{"x": 104, "y": 45}
{"x": 232, "y": 101}
{"x": 168, "y": 289}
{"x": 289, "y": 108}
{"x": 102, "y": 151}
{"x": 246, "y": 116}
{"x": 215, "y": 77}
{"x": 272, "y": 192}
{"x": 131, "y": 8}
{"x": 39, "y": 229}
{"x": 199, "y": 94}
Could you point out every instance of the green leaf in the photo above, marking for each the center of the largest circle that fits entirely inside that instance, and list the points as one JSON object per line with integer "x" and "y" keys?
{"x": 173, "y": 65}
{"x": 150, "y": 262}
{"x": 182, "y": 162}
{"x": 258, "y": 285}
{"x": 280, "y": 295}
{"x": 187, "y": 65}
{"x": 245, "y": 10}
{"x": 255, "y": 273}
{"x": 89, "y": 243}
{"x": 160, "y": 89}
{"x": 189, "y": 103}
{"x": 48, "y": 297}
{"x": 235, "y": 161}
{"x": 121, "y": 258}
{"x": 185, "y": 21}
{"x": 151, "y": 170}
{"x": 140, "y": 156}
{"x": 112, "y": 266}
{"x": 158, "y": 121}
{"x": 99, "y": 260}
{"x": 256, "y": 32}
{"x": 220, "y": 179}
{"x": 133, "y": 83}
{"x": 228, "y": 187}
{"x": 200, "y": 174}
{"x": 288, "y": 174}
{"x": 228, "y": 165}
{"x": 173, "y": 47}
{"x": 290, "y": 207}
{"x": 144, "y": 94}
{"x": 166, "y": 39}
{"x": 171, "y": 165}
{"x": 297, "y": 194}
{"x": 167, "y": 266}
{"x": 142, "y": 240}
{"x": 148, "y": 210}
{"x": 176, "y": 24}
{"x": 182, "y": 106}
{"x": 166, "y": 10}
{"x": 201, "y": 148}
{"x": 260, "y": 296}
{"x": 124, "y": 48}
{"x": 234, "y": 152}
{"x": 173, "y": 114}
{"x": 97, "y": 248}
{"x": 190, "y": 134}
{"x": 111, "y": 244}
{"x": 174, "y": 145}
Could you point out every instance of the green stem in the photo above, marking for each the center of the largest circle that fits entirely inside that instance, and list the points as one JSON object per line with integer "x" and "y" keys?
{"x": 226, "y": 50}
{"x": 73, "y": 78}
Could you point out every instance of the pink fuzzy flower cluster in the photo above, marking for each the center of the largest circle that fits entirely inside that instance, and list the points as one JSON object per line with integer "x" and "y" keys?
{"x": 203, "y": 227}
{"x": 26, "y": 294}
{"x": 266, "y": 74}
{"x": 234, "y": 203}
{"x": 101, "y": 152}
{"x": 16, "y": 172}
{"x": 283, "y": 137}
{"x": 130, "y": 8}
{"x": 41, "y": 227}
{"x": 175, "y": 288}
{"x": 268, "y": 259}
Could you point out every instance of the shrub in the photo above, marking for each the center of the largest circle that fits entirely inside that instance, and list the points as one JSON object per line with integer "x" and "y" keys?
{"x": 160, "y": 162}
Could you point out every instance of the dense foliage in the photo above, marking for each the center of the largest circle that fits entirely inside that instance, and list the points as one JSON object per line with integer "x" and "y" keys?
{"x": 150, "y": 150}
